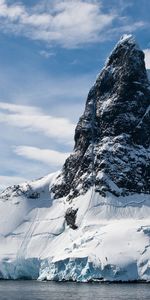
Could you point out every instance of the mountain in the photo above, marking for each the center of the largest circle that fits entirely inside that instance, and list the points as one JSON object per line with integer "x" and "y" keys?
{"x": 90, "y": 220}
{"x": 112, "y": 136}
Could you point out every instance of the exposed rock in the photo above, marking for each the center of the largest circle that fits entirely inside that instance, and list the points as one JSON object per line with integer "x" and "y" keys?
{"x": 70, "y": 217}
{"x": 18, "y": 190}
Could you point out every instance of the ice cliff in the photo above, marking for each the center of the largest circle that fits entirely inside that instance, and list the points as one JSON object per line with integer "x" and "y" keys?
{"x": 90, "y": 221}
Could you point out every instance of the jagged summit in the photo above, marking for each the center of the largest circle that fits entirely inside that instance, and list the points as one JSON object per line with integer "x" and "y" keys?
{"x": 127, "y": 37}
{"x": 127, "y": 40}
{"x": 125, "y": 43}
{"x": 112, "y": 137}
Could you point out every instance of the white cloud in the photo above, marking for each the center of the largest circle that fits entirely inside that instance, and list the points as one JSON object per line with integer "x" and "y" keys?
{"x": 125, "y": 27}
{"x": 50, "y": 157}
{"x": 147, "y": 58}
{"x": 46, "y": 53}
{"x": 33, "y": 119}
{"x": 69, "y": 23}
{"x": 20, "y": 109}
{"x": 10, "y": 180}
{"x": 66, "y": 22}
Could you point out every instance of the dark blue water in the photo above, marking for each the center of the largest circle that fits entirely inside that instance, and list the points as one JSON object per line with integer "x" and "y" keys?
{"x": 33, "y": 290}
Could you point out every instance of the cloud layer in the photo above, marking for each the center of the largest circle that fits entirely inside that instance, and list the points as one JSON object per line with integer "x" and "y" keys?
{"x": 66, "y": 22}
{"x": 31, "y": 160}
{"x": 33, "y": 119}
{"x": 47, "y": 156}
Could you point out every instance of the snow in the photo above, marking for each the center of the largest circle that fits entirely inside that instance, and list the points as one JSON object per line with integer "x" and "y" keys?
{"x": 126, "y": 37}
{"x": 110, "y": 243}
{"x": 129, "y": 38}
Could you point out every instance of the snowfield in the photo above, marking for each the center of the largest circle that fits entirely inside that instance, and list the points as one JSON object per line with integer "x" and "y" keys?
{"x": 112, "y": 241}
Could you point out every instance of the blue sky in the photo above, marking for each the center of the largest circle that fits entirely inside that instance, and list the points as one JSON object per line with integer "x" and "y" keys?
{"x": 50, "y": 54}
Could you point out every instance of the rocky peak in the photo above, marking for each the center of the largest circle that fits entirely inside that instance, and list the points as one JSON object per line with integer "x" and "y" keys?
{"x": 120, "y": 93}
{"x": 113, "y": 134}
{"x": 128, "y": 60}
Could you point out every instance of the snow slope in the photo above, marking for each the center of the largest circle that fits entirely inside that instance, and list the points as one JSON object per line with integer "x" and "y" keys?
{"x": 110, "y": 243}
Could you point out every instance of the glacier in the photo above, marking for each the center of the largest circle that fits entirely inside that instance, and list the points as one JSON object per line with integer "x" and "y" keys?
{"x": 111, "y": 241}
{"x": 90, "y": 221}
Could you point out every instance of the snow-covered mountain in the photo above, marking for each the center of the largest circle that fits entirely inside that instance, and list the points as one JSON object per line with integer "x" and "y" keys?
{"x": 90, "y": 221}
{"x": 115, "y": 128}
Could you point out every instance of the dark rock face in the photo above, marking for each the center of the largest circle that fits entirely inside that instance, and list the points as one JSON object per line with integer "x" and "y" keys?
{"x": 112, "y": 137}
{"x": 70, "y": 217}
{"x": 18, "y": 190}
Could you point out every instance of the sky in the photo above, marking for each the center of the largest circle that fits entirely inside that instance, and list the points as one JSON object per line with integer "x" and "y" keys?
{"x": 50, "y": 54}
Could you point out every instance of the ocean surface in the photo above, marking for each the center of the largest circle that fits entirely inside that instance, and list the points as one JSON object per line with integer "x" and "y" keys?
{"x": 33, "y": 290}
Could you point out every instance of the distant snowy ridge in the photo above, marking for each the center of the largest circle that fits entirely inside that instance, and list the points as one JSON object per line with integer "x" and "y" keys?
{"x": 90, "y": 220}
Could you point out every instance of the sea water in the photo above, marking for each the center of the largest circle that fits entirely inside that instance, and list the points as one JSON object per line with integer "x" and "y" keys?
{"x": 34, "y": 290}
